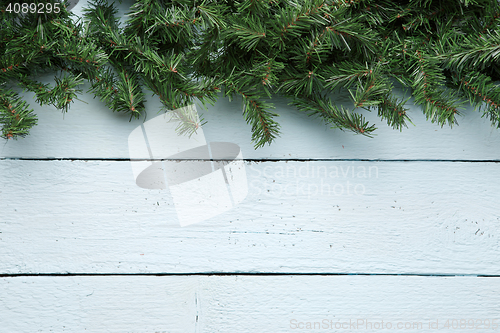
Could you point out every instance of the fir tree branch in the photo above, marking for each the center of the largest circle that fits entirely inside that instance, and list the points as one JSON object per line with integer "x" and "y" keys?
{"x": 480, "y": 51}
{"x": 345, "y": 74}
{"x": 264, "y": 128}
{"x": 340, "y": 118}
{"x": 301, "y": 83}
{"x": 16, "y": 118}
{"x": 427, "y": 80}
{"x": 185, "y": 50}
{"x": 130, "y": 95}
{"x": 104, "y": 87}
{"x": 394, "y": 112}
{"x": 256, "y": 112}
{"x": 43, "y": 92}
{"x": 481, "y": 92}
{"x": 60, "y": 96}
{"x": 187, "y": 120}
{"x": 370, "y": 92}
{"x": 246, "y": 37}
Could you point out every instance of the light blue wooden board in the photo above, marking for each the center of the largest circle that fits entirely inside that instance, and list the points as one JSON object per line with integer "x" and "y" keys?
{"x": 145, "y": 304}
{"x": 418, "y": 217}
{"x": 93, "y": 131}
{"x": 90, "y": 130}
{"x": 415, "y": 217}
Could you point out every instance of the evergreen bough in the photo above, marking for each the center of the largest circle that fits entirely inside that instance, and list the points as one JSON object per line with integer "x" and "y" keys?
{"x": 446, "y": 51}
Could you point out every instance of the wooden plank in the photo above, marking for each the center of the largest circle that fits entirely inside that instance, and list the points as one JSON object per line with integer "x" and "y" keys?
{"x": 98, "y": 304}
{"x": 247, "y": 303}
{"x": 321, "y": 217}
{"x": 90, "y": 130}
{"x": 392, "y": 217}
{"x": 93, "y": 131}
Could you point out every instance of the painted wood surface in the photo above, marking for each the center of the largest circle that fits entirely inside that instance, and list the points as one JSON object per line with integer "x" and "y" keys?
{"x": 93, "y": 131}
{"x": 422, "y": 202}
{"x": 360, "y": 217}
{"x": 248, "y": 304}
{"x": 90, "y": 130}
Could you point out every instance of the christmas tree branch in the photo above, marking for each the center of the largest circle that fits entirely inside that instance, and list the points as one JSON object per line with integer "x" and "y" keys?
{"x": 427, "y": 80}
{"x": 481, "y": 91}
{"x": 16, "y": 118}
{"x": 338, "y": 117}
{"x": 186, "y": 50}
{"x": 394, "y": 112}
{"x": 256, "y": 112}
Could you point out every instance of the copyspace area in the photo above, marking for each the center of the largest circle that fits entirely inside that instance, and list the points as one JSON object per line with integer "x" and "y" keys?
{"x": 335, "y": 233}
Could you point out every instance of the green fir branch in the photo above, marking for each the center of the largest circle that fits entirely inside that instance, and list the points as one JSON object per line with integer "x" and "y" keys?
{"x": 482, "y": 94}
{"x": 340, "y": 118}
{"x": 16, "y": 119}
{"x": 184, "y": 51}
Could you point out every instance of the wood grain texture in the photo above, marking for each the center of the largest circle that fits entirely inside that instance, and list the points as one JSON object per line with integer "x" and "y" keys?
{"x": 332, "y": 215}
{"x": 243, "y": 303}
{"x": 413, "y": 217}
{"x": 93, "y": 131}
